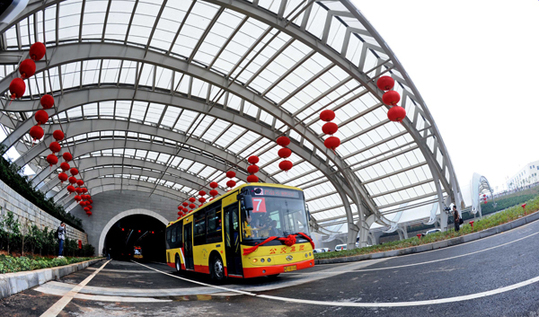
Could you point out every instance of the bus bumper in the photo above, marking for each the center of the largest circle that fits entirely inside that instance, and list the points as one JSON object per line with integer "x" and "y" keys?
{"x": 249, "y": 272}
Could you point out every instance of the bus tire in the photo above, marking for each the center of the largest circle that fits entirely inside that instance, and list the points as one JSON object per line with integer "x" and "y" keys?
{"x": 178, "y": 263}
{"x": 217, "y": 269}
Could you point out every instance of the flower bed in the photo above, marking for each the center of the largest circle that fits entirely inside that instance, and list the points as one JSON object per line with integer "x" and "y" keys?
{"x": 497, "y": 219}
{"x": 10, "y": 264}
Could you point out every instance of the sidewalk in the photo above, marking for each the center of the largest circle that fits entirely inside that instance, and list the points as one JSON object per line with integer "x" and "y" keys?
{"x": 12, "y": 283}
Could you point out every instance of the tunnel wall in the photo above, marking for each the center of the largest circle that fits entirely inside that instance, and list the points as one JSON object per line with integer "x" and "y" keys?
{"x": 108, "y": 205}
{"x": 28, "y": 213}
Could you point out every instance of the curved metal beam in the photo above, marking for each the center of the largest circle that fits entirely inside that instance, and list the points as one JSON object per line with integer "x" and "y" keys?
{"x": 86, "y": 51}
{"x": 128, "y": 184}
{"x": 102, "y": 161}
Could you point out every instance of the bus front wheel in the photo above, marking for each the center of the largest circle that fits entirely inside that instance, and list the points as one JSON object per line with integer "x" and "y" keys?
{"x": 178, "y": 264}
{"x": 217, "y": 269}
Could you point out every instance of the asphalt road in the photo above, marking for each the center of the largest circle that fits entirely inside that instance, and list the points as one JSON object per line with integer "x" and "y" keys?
{"x": 495, "y": 276}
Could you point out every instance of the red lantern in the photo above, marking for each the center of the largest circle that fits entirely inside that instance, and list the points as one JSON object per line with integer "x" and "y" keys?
{"x": 327, "y": 115}
{"x": 58, "y": 135}
{"x": 385, "y": 83}
{"x": 70, "y": 188}
{"x": 36, "y": 132}
{"x": 17, "y": 88}
{"x": 180, "y": 213}
{"x": 484, "y": 195}
{"x": 37, "y": 51}
{"x": 330, "y": 128}
{"x": 86, "y": 209}
{"x": 231, "y": 183}
{"x": 230, "y": 174}
{"x": 185, "y": 204}
{"x": 251, "y": 169}
{"x": 67, "y": 156}
{"x": 77, "y": 198}
{"x": 185, "y": 210}
{"x": 252, "y": 179}
{"x": 253, "y": 159}
{"x": 284, "y": 152}
{"x": 74, "y": 171}
{"x": 192, "y": 206}
{"x": 396, "y": 114}
{"x": 41, "y": 116}
{"x": 214, "y": 185}
{"x": 52, "y": 159}
{"x": 332, "y": 142}
{"x": 202, "y": 199}
{"x": 72, "y": 180}
{"x": 192, "y": 199}
{"x": 91, "y": 201}
{"x": 286, "y": 165}
{"x": 391, "y": 98}
{"x": 180, "y": 208}
{"x": 202, "y": 193}
{"x": 47, "y": 101}
{"x": 64, "y": 166}
{"x": 283, "y": 141}
{"x": 78, "y": 190}
{"x": 89, "y": 213}
{"x": 55, "y": 147}
{"x": 85, "y": 190}
{"x": 27, "y": 68}
{"x": 90, "y": 206}
{"x": 80, "y": 182}
{"x": 62, "y": 177}
{"x": 214, "y": 193}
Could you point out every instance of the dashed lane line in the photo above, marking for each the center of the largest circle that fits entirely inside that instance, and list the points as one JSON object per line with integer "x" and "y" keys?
{"x": 362, "y": 305}
{"x": 55, "y": 309}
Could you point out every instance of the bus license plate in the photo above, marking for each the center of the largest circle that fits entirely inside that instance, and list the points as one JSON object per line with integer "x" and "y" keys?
{"x": 290, "y": 268}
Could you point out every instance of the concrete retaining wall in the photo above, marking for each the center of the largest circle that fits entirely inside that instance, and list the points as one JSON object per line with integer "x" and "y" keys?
{"x": 436, "y": 245}
{"x": 12, "y": 283}
{"x": 29, "y": 214}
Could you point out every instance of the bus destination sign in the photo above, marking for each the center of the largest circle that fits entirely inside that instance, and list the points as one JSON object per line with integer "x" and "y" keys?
{"x": 267, "y": 191}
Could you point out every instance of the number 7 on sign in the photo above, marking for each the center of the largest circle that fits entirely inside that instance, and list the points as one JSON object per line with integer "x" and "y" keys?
{"x": 259, "y": 205}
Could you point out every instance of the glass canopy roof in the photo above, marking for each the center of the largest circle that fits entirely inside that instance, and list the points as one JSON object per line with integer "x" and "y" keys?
{"x": 145, "y": 88}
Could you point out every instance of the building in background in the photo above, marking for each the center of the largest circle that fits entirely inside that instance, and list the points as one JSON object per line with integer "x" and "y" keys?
{"x": 527, "y": 175}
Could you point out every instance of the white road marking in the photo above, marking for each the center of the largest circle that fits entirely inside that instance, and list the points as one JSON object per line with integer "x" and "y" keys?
{"x": 55, "y": 309}
{"x": 364, "y": 305}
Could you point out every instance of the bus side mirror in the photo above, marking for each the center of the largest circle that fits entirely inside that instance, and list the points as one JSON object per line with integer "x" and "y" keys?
{"x": 247, "y": 203}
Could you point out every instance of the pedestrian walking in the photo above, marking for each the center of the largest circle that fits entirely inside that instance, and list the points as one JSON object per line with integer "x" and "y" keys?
{"x": 456, "y": 217}
{"x": 61, "y": 238}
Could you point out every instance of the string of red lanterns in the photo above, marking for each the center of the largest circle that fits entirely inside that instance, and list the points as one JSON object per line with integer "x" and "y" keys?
{"x": 330, "y": 128}
{"x": 253, "y": 169}
{"x": 231, "y": 183}
{"x": 391, "y": 98}
{"x": 284, "y": 153}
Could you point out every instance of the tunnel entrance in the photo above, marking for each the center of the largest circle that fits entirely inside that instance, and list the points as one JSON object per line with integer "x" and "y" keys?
{"x": 136, "y": 234}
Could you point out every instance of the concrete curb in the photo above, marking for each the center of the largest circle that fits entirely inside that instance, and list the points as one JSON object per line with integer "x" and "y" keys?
{"x": 12, "y": 283}
{"x": 436, "y": 245}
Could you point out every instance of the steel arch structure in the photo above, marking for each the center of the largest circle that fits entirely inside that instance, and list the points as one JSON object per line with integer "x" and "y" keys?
{"x": 225, "y": 78}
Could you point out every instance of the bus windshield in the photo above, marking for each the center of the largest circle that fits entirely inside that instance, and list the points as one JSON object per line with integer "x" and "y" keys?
{"x": 276, "y": 212}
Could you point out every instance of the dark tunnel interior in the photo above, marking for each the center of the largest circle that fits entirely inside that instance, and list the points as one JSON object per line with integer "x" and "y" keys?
{"x": 141, "y": 232}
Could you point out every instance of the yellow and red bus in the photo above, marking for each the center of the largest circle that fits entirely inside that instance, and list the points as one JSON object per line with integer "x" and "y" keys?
{"x": 253, "y": 230}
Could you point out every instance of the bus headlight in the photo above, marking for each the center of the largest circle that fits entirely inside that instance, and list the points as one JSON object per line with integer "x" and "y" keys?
{"x": 254, "y": 260}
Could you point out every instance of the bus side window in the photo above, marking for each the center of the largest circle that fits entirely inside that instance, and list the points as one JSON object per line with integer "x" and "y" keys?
{"x": 214, "y": 227}
{"x": 200, "y": 227}
{"x": 169, "y": 232}
{"x": 179, "y": 235}
{"x": 173, "y": 238}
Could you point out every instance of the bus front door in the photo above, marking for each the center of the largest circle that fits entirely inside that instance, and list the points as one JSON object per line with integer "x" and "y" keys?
{"x": 232, "y": 240}
{"x": 188, "y": 246}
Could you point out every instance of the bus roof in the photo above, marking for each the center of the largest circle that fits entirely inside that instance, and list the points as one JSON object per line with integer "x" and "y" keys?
{"x": 231, "y": 192}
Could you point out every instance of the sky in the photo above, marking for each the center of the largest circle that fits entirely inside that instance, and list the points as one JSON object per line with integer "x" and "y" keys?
{"x": 475, "y": 64}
